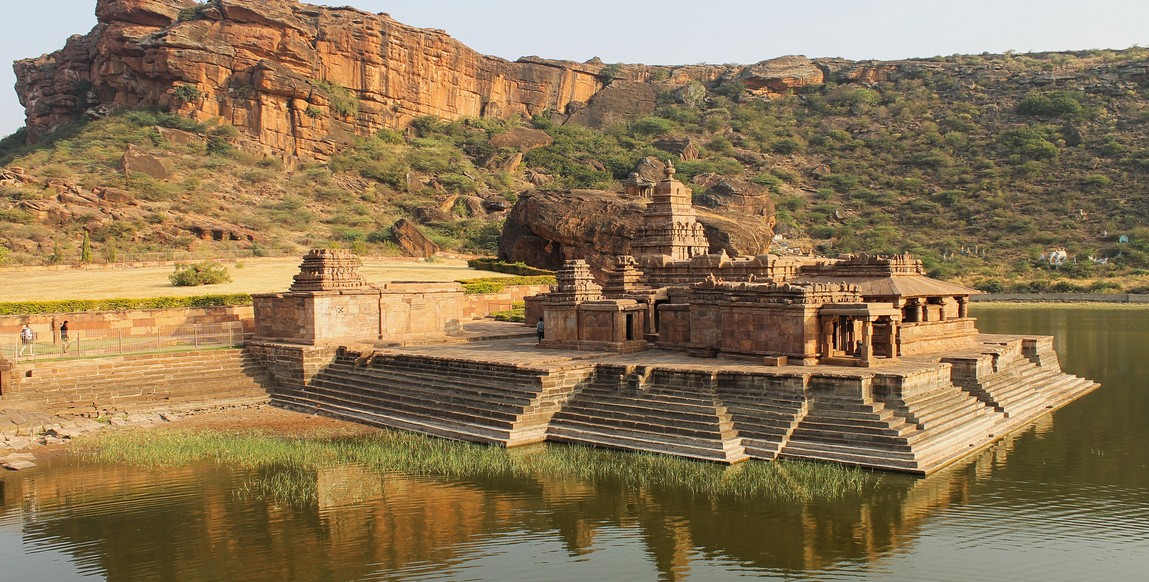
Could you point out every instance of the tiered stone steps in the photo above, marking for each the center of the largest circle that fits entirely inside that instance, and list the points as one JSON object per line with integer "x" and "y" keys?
{"x": 853, "y": 433}
{"x": 472, "y": 401}
{"x": 764, "y": 410}
{"x": 950, "y": 423}
{"x": 653, "y": 410}
{"x": 1022, "y": 390}
{"x": 163, "y": 381}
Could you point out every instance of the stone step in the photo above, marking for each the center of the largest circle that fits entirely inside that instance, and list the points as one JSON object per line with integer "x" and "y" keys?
{"x": 852, "y": 455}
{"x": 954, "y": 403}
{"x": 802, "y": 434}
{"x": 451, "y": 431}
{"x": 958, "y": 422}
{"x": 646, "y": 425}
{"x": 410, "y": 417}
{"x": 395, "y": 404}
{"x": 644, "y": 404}
{"x": 779, "y": 427}
{"x": 876, "y": 411}
{"x": 398, "y": 390}
{"x": 1072, "y": 391}
{"x": 819, "y": 424}
{"x": 662, "y": 392}
{"x": 448, "y": 369}
{"x": 486, "y": 386}
{"x": 942, "y": 447}
{"x": 717, "y": 451}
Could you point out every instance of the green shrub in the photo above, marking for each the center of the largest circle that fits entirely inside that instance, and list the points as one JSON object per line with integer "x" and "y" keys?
{"x": 82, "y": 305}
{"x": 187, "y": 93}
{"x": 609, "y": 73}
{"x": 990, "y": 286}
{"x": 204, "y": 273}
{"x": 498, "y": 284}
{"x": 520, "y": 268}
{"x": 343, "y": 101}
{"x": 1063, "y": 104}
{"x": 786, "y": 146}
{"x": 1029, "y": 142}
{"x": 517, "y": 313}
{"x": 194, "y": 12}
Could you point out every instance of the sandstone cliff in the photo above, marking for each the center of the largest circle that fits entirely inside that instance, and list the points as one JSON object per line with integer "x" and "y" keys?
{"x": 302, "y": 80}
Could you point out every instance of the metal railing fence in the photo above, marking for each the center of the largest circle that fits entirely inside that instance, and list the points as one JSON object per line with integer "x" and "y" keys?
{"x": 114, "y": 342}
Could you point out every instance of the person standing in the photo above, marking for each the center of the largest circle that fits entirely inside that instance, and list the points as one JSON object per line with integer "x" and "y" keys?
{"x": 65, "y": 341}
{"x": 539, "y": 327}
{"x": 26, "y": 337}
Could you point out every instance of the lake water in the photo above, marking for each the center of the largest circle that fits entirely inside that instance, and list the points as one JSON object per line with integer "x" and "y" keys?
{"x": 1065, "y": 499}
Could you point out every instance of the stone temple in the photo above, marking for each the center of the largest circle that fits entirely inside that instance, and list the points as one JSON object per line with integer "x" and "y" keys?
{"x": 858, "y": 360}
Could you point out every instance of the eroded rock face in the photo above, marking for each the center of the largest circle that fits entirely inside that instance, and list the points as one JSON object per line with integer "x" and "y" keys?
{"x": 298, "y": 79}
{"x": 546, "y": 228}
{"x": 304, "y": 80}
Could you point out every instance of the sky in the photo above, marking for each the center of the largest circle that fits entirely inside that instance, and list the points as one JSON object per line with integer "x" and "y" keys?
{"x": 678, "y": 31}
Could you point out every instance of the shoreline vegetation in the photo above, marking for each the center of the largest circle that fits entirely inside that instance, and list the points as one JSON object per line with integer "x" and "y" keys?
{"x": 1131, "y": 299}
{"x": 284, "y": 461}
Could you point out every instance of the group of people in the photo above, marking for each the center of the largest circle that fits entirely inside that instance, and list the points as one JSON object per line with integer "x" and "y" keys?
{"x": 28, "y": 339}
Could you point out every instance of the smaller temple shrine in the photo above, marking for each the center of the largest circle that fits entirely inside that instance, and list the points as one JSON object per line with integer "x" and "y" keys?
{"x": 330, "y": 302}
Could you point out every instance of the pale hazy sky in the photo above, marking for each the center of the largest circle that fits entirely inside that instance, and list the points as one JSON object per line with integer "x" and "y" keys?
{"x": 680, "y": 32}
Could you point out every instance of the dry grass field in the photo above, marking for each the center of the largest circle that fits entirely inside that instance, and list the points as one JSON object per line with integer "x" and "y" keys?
{"x": 247, "y": 276}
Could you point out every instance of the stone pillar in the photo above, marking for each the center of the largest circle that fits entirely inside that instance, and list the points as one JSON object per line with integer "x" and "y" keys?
{"x": 6, "y": 384}
{"x": 867, "y": 354}
{"x": 963, "y": 307}
{"x": 893, "y": 339}
{"x": 918, "y": 309}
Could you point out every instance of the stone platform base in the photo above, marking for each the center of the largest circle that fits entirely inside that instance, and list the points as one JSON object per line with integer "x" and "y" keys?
{"x": 915, "y": 416}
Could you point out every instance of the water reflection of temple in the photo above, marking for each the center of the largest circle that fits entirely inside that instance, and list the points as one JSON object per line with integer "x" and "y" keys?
{"x": 202, "y": 523}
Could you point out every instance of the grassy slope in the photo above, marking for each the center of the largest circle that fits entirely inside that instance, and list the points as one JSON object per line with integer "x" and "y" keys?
{"x": 978, "y": 164}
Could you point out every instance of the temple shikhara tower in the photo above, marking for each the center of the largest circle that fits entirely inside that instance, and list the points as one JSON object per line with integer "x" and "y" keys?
{"x": 670, "y": 227}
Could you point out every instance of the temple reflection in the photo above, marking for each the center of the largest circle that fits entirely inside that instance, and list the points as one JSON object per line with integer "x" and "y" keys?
{"x": 213, "y": 522}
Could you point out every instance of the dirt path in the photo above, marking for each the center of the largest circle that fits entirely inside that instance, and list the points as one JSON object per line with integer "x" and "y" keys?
{"x": 248, "y": 276}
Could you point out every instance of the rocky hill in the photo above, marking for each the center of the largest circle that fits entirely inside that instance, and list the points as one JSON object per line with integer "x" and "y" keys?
{"x": 317, "y": 125}
{"x": 303, "y": 80}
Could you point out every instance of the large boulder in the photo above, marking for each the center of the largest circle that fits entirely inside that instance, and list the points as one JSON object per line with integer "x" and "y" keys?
{"x": 546, "y": 228}
{"x": 780, "y": 75}
{"x": 136, "y": 161}
{"x": 412, "y": 240}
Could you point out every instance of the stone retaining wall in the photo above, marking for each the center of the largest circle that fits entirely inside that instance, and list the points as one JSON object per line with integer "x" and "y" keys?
{"x": 165, "y": 381}
{"x": 135, "y": 322}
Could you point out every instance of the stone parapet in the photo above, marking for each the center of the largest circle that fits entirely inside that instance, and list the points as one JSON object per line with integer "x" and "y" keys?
{"x": 936, "y": 336}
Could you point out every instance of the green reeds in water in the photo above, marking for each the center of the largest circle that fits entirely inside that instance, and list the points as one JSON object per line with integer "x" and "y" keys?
{"x": 284, "y": 468}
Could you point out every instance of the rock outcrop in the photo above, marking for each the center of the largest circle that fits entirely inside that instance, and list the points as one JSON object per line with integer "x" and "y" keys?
{"x": 781, "y": 74}
{"x": 412, "y": 240}
{"x": 303, "y": 80}
{"x": 297, "y": 78}
{"x": 547, "y": 227}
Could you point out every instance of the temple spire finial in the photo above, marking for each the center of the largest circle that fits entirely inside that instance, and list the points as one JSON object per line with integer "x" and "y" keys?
{"x": 669, "y": 171}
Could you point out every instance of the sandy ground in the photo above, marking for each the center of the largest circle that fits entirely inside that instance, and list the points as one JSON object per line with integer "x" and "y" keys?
{"x": 265, "y": 418}
{"x": 248, "y": 276}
